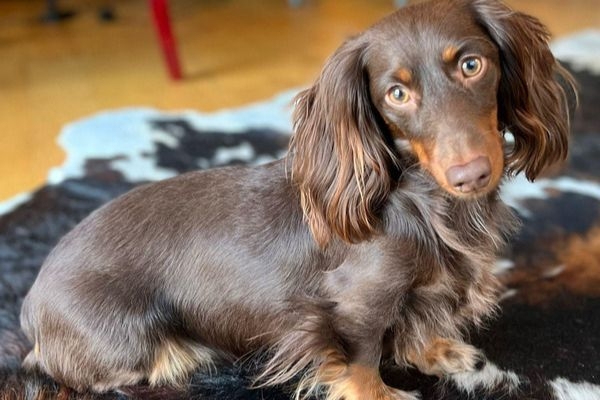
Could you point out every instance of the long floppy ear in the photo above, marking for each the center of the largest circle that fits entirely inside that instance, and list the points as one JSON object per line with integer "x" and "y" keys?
{"x": 534, "y": 88}
{"x": 341, "y": 159}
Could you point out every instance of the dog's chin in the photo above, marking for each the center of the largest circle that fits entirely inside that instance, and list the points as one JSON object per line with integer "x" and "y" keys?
{"x": 471, "y": 195}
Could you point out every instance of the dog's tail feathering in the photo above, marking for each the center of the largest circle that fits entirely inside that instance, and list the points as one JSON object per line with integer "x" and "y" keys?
{"x": 19, "y": 384}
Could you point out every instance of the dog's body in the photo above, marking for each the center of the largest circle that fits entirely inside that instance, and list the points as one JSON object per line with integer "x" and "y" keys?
{"x": 180, "y": 289}
{"x": 351, "y": 247}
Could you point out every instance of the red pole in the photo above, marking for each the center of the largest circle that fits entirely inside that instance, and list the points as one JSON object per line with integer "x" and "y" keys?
{"x": 162, "y": 24}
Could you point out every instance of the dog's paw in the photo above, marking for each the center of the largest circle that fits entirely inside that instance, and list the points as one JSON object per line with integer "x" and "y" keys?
{"x": 361, "y": 383}
{"x": 447, "y": 356}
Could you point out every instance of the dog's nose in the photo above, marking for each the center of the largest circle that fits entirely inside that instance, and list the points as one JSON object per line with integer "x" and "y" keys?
{"x": 470, "y": 177}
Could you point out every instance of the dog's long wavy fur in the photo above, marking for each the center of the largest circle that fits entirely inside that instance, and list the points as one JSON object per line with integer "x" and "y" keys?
{"x": 316, "y": 351}
{"x": 357, "y": 246}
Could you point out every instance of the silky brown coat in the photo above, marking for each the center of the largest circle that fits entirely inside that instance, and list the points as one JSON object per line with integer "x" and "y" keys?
{"x": 352, "y": 248}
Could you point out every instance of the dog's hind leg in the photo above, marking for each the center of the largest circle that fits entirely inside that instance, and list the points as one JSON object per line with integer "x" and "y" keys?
{"x": 76, "y": 371}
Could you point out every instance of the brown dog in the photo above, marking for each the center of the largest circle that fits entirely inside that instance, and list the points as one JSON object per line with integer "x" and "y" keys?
{"x": 378, "y": 231}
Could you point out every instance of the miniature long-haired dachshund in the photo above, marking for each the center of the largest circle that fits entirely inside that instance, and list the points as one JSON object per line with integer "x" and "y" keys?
{"x": 375, "y": 237}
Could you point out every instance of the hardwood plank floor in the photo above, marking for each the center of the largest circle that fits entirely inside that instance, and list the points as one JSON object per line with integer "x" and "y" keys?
{"x": 233, "y": 52}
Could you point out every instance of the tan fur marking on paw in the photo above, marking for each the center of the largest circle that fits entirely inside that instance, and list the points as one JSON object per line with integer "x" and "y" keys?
{"x": 174, "y": 361}
{"x": 445, "y": 356}
{"x": 333, "y": 369}
{"x": 362, "y": 383}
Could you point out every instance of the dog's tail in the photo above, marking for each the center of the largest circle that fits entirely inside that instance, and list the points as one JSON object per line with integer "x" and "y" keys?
{"x": 16, "y": 383}
{"x": 19, "y": 384}
{"x": 25, "y": 383}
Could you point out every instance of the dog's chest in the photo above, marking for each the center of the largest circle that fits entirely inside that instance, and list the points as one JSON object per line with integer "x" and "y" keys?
{"x": 453, "y": 286}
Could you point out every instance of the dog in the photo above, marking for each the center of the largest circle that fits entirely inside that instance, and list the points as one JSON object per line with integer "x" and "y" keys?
{"x": 374, "y": 238}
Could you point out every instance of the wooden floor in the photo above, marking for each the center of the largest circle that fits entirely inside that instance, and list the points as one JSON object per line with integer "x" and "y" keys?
{"x": 233, "y": 51}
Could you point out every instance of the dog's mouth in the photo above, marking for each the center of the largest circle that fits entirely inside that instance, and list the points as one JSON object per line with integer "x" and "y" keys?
{"x": 472, "y": 194}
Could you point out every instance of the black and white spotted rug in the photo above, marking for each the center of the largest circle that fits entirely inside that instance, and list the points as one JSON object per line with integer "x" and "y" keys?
{"x": 544, "y": 345}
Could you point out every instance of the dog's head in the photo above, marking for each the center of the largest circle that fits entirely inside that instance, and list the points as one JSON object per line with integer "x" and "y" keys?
{"x": 448, "y": 78}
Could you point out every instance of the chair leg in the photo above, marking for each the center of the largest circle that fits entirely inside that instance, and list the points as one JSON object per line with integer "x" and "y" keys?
{"x": 162, "y": 24}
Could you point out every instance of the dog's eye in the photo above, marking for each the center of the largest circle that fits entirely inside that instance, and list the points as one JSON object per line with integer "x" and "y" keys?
{"x": 398, "y": 95}
{"x": 471, "y": 66}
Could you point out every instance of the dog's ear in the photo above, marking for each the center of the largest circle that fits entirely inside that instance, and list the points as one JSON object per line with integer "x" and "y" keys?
{"x": 341, "y": 160}
{"x": 534, "y": 88}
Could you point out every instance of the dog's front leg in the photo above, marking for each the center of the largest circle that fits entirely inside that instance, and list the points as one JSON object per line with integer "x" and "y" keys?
{"x": 366, "y": 291}
{"x": 334, "y": 349}
{"x": 336, "y": 341}
{"x": 361, "y": 380}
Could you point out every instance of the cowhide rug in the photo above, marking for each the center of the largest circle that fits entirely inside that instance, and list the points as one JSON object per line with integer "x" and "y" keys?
{"x": 544, "y": 345}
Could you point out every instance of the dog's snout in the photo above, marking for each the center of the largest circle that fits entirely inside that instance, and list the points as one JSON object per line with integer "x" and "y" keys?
{"x": 470, "y": 177}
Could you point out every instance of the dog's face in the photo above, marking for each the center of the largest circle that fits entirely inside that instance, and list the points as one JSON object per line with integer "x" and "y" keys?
{"x": 448, "y": 77}
{"x": 438, "y": 93}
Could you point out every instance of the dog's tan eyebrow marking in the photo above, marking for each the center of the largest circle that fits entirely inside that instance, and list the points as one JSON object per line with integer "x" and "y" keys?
{"x": 449, "y": 53}
{"x": 404, "y": 75}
